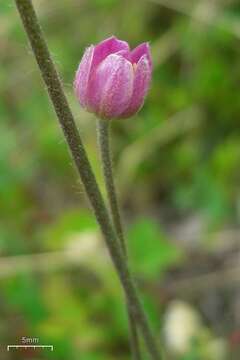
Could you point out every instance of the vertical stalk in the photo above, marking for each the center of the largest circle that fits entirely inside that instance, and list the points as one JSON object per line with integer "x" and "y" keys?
{"x": 103, "y": 128}
{"x": 80, "y": 158}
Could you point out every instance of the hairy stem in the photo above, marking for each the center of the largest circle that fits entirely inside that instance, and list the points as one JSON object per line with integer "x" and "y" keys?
{"x": 66, "y": 120}
{"x": 103, "y": 128}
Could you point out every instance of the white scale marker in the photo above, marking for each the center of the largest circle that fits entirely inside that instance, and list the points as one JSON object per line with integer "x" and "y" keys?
{"x": 29, "y": 346}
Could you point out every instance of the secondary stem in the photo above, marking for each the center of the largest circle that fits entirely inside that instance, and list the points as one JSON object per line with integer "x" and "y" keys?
{"x": 104, "y": 144}
{"x": 103, "y": 128}
{"x": 66, "y": 120}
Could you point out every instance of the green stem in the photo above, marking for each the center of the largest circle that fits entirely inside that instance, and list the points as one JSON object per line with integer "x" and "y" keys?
{"x": 72, "y": 136}
{"x": 103, "y": 128}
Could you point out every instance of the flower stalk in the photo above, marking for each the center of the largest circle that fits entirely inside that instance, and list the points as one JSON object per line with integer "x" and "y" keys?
{"x": 103, "y": 129}
{"x": 77, "y": 150}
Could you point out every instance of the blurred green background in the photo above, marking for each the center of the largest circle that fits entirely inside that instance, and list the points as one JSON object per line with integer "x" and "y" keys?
{"x": 177, "y": 165}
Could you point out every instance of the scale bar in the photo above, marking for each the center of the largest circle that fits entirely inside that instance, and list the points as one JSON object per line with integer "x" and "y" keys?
{"x": 29, "y": 346}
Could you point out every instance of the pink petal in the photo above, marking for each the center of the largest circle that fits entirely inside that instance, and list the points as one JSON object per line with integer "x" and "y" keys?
{"x": 82, "y": 76}
{"x": 140, "y": 87}
{"x": 111, "y": 88}
{"x": 139, "y": 51}
{"x": 125, "y": 53}
{"x": 107, "y": 47}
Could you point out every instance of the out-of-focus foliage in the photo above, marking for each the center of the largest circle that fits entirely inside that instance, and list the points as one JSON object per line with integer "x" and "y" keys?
{"x": 177, "y": 168}
{"x": 150, "y": 250}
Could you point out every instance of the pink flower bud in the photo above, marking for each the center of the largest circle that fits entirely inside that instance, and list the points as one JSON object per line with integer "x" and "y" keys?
{"x": 112, "y": 81}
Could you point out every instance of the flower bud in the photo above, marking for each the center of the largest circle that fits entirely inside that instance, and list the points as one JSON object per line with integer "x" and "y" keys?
{"x": 112, "y": 81}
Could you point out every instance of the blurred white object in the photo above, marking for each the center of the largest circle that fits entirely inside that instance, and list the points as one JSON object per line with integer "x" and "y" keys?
{"x": 84, "y": 243}
{"x": 181, "y": 324}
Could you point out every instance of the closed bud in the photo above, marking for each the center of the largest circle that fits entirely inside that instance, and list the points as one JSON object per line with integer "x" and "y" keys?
{"x": 112, "y": 81}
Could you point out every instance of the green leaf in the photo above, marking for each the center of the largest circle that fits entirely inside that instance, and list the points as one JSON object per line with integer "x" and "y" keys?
{"x": 150, "y": 251}
{"x": 70, "y": 223}
{"x": 24, "y": 295}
